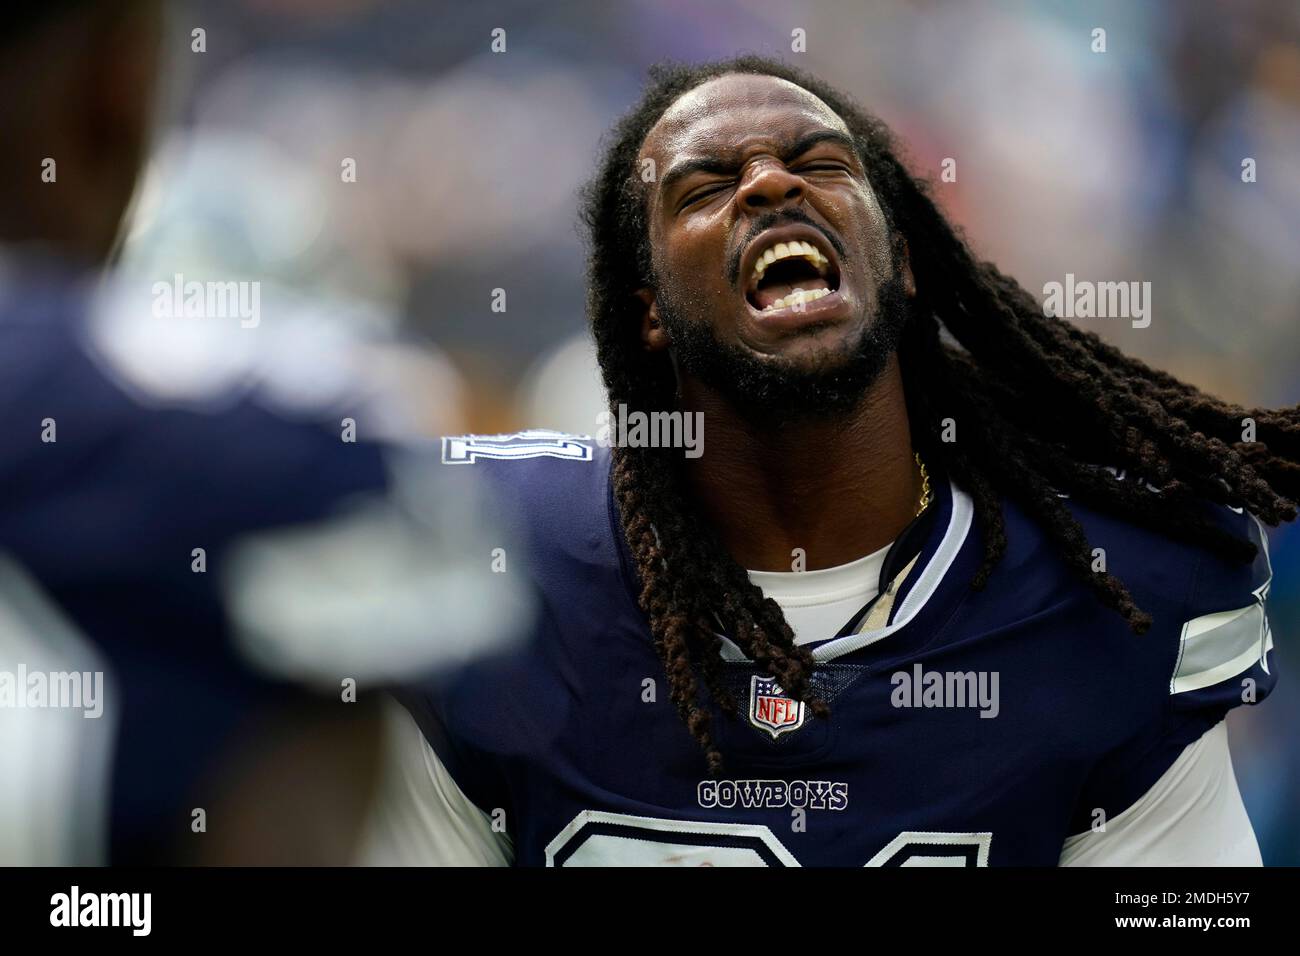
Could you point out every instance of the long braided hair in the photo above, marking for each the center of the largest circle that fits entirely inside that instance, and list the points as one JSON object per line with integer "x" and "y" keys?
{"x": 1019, "y": 381}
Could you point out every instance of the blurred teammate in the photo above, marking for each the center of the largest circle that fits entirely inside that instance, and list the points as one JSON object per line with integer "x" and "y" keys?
{"x": 150, "y": 548}
{"x": 903, "y": 600}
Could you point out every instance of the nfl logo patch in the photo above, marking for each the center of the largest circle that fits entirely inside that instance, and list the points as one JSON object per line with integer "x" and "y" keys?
{"x": 771, "y": 710}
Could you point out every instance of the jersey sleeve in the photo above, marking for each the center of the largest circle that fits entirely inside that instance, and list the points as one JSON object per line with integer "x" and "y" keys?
{"x": 1192, "y": 816}
{"x": 1217, "y": 655}
{"x": 420, "y": 816}
{"x": 1225, "y": 646}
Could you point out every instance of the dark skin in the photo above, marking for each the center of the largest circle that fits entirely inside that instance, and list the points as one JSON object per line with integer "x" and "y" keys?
{"x": 730, "y": 151}
{"x": 81, "y": 93}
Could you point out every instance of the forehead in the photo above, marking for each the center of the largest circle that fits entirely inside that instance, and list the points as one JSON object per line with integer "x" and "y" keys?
{"x": 725, "y": 112}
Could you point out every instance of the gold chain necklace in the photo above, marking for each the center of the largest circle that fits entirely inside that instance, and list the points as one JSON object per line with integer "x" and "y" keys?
{"x": 925, "y": 486}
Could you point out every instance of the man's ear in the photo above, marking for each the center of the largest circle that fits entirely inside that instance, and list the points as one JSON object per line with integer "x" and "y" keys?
{"x": 653, "y": 334}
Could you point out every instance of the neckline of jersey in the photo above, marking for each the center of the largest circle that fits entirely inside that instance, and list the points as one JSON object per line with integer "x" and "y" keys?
{"x": 919, "y": 597}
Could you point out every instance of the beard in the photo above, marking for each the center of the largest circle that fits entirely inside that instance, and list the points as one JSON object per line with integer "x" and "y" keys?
{"x": 820, "y": 386}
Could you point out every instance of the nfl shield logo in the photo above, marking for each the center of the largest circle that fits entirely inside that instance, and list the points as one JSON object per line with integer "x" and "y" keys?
{"x": 771, "y": 710}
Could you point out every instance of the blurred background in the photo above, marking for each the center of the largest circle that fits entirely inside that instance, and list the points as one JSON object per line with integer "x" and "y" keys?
{"x": 1122, "y": 165}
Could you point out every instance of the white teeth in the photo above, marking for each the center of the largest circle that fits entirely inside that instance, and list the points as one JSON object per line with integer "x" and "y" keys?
{"x": 784, "y": 250}
{"x": 798, "y": 298}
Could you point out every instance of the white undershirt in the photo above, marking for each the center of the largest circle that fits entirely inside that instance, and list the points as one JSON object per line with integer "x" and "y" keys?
{"x": 818, "y": 603}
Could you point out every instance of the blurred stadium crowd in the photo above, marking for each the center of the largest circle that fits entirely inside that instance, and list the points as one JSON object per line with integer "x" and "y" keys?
{"x": 1122, "y": 165}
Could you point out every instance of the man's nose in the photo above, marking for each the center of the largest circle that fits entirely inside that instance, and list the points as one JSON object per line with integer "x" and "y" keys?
{"x": 769, "y": 185}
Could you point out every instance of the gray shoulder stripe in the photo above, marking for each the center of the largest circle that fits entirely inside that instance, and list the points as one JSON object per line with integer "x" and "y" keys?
{"x": 1215, "y": 647}
{"x": 1218, "y": 646}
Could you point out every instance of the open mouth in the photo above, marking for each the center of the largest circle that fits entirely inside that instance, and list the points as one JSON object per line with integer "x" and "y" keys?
{"x": 788, "y": 275}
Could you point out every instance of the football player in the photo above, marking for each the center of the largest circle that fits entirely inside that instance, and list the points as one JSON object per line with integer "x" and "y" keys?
{"x": 951, "y": 582}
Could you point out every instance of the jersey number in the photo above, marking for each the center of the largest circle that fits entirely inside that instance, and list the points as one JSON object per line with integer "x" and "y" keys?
{"x": 534, "y": 443}
{"x": 600, "y": 838}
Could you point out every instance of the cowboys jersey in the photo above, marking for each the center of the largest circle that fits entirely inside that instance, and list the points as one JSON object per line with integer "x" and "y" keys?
{"x": 1014, "y": 725}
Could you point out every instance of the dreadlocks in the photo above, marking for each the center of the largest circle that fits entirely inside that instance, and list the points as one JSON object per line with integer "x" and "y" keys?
{"x": 1038, "y": 403}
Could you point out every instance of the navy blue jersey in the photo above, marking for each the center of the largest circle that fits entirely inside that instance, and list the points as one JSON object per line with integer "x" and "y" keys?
{"x": 976, "y": 727}
{"x": 116, "y": 521}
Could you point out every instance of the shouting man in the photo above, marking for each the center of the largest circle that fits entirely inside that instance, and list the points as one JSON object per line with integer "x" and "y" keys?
{"x": 952, "y": 581}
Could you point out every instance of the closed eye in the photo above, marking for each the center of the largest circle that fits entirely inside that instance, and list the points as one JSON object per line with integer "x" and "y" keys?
{"x": 704, "y": 192}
